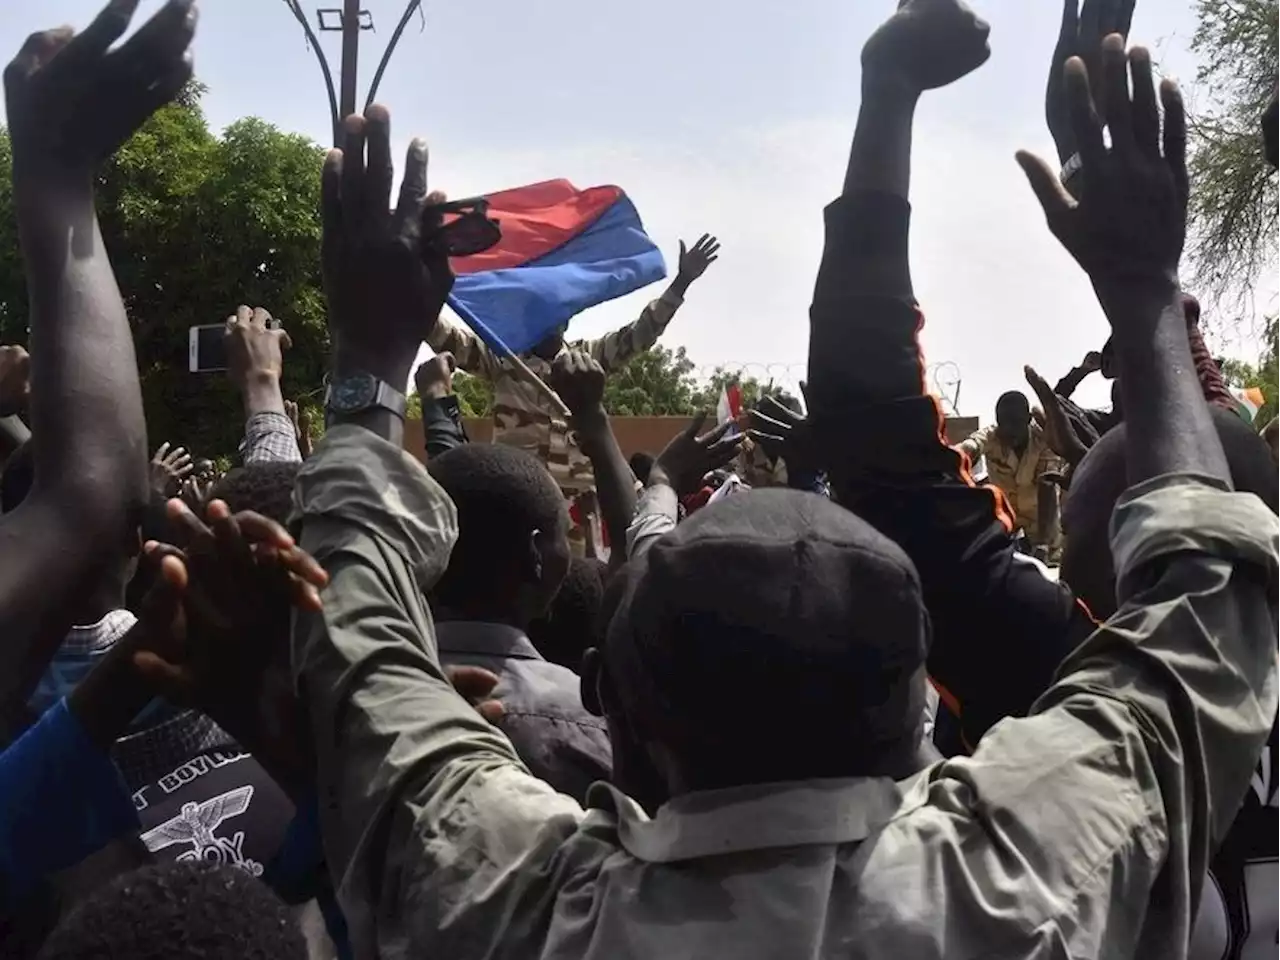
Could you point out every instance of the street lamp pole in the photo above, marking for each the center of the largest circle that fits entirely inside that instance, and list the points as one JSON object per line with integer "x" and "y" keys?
{"x": 352, "y": 19}
{"x": 350, "y": 55}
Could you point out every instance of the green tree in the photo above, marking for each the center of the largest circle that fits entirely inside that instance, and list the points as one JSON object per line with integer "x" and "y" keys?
{"x": 656, "y": 383}
{"x": 708, "y": 395}
{"x": 1233, "y": 188}
{"x": 196, "y": 224}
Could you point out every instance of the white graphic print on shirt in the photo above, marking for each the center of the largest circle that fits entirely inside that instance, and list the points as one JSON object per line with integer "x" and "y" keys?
{"x": 196, "y": 824}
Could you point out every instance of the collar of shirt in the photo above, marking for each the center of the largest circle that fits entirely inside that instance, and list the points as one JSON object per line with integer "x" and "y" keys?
{"x": 98, "y": 637}
{"x": 760, "y": 817}
{"x": 487, "y": 639}
{"x": 146, "y": 755}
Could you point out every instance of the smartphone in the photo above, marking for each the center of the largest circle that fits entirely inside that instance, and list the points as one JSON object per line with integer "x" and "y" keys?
{"x": 207, "y": 348}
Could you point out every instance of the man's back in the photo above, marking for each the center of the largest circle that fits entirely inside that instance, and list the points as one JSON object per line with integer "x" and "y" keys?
{"x": 558, "y": 740}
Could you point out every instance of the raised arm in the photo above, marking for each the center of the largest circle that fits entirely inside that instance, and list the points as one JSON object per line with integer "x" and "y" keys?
{"x": 1127, "y": 230}
{"x": 975, "y": 445}
{"x": 1091, "y": 363}
{"x": 882, "y": 436}
{"x": 70, "y": 104}
{"x": 255, "y": 351}
{"x": 425, "y": 806}
{"x": 580, "y": 382}
{"x": 614, "y": 349}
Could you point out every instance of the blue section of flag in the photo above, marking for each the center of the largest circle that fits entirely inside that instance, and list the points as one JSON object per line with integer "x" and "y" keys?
{"x": 518, "y": 307}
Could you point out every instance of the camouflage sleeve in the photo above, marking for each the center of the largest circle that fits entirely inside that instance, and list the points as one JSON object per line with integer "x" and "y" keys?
{"x": 614, "y": 349}
{"x": 468, "y": 350}
{"x": 976, "y": 443}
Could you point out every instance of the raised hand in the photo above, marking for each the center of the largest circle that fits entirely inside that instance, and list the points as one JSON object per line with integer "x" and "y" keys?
{"x": 1092, "y": 362}
{"x": 1130, "y": 222}
{"x": 71, "y": 100}
{"x": 228, "y": 652}
{"x": 689, "y": 457}
{"x": 1068, "y": 437}
{"x": 434, "y": 378}
{"x": 384, "y": 286}
{"x": 255, "y": 348}
{"x": 1081, "y": 35}
{"x": 579, "y": 381}
{"x": 169, "y": 468}
{"x": 15, "y": 379}
{"x": 926, "y": 44}
{"x": 694, "y": 263}
{"x": 784, "y": 434}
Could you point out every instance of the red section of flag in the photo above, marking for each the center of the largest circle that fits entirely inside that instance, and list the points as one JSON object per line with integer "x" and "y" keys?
{"x": 536, "y": 220}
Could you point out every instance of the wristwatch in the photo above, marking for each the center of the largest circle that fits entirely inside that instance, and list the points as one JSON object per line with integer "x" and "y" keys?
{"x": 354, "y": 393}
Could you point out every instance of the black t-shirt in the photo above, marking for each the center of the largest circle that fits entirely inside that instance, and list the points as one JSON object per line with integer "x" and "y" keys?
{"x": 219, "y": 806}
{"x": 1238, "y": 918}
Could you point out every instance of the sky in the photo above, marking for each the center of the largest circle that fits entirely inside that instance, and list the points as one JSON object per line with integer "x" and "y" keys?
{"x": 725, "y": 116}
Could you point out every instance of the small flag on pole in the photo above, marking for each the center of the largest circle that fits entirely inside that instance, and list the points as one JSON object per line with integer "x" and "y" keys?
{"x": 1249, "y": 400}
{"x": 730, "y": 407}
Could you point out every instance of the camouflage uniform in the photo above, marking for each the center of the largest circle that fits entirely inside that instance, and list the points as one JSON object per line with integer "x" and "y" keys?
{"x": 522, "y": 416}
{"x": 755, "y": 468}
{"x": 1018, "y": 477}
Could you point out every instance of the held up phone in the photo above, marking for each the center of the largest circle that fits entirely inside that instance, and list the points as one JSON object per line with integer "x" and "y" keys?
{"x": 207, "y": 348}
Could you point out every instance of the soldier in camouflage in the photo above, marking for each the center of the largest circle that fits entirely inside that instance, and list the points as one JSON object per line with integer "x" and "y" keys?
{"x": 523, "y": 416}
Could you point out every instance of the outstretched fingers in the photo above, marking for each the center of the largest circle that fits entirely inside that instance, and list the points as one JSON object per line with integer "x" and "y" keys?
{"x": 1146, "y": 116}
{"x": 1175, "y": 135}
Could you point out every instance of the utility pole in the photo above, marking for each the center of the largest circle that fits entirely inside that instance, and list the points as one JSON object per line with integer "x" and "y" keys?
{"x": 351, "y": 19}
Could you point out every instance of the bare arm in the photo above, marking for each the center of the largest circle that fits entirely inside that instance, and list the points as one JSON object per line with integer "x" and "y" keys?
{"x": 615, "y": 349}
{"x": 90, "y": 450}
{"x": 579, "y": 380}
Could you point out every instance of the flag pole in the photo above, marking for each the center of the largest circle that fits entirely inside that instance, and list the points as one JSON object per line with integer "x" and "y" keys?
{"x": 494, "y": 341}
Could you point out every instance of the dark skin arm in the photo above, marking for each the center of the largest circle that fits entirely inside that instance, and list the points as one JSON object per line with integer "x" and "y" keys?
{"x": 382, "y": 274}
{"x": 1127, "y": 230}
{"x": 580, "y": 382}
{"x": 1092, "y": 363}
{"x": 70, "y": 104}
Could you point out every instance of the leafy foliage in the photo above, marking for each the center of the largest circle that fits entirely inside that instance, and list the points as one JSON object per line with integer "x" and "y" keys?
{"x": 197, "y": 224}
{"x": 1233, "y": 197}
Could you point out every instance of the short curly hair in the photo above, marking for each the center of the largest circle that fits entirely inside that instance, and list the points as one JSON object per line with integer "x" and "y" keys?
{"x": 265, "y": 488}
{"x": 175, "y": 910}
{"x": 503, "y": 494}
{"x": 565, "y": 632}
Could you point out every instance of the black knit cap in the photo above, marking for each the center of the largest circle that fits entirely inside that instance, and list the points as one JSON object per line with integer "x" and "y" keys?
{"x": 765, "y": 614}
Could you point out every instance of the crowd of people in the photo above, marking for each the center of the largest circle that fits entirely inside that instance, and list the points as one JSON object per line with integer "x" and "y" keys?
{"x": 335, "y": 702}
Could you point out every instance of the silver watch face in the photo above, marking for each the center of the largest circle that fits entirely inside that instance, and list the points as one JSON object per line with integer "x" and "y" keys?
{"x": 353, "y": 393}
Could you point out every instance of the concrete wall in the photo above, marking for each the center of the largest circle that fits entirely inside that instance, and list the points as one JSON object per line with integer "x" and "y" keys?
{"x": 635, "y": 434}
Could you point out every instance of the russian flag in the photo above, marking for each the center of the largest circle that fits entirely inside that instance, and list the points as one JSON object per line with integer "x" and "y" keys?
{"x": 562, "y": 250}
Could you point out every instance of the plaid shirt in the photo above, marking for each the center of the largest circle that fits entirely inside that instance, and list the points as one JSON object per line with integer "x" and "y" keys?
{"x": 163, "y": 736}
{"x": 269, "y": 437}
